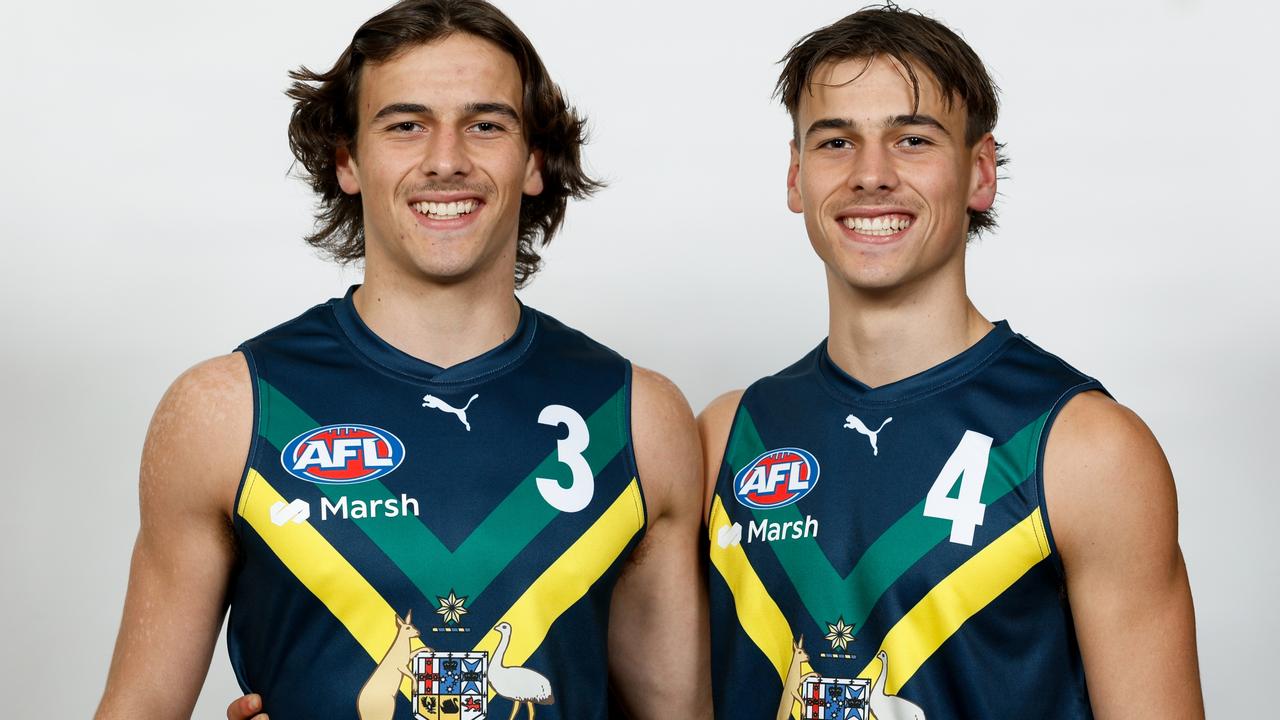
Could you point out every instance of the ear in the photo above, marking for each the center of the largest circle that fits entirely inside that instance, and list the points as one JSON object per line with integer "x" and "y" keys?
{"x": 794, "y": 202}
{"x": 533, "y": 174}
{"x": 408, "y": 617}
{"x": 982, "y": 176}
{"x": 348, "y": 173}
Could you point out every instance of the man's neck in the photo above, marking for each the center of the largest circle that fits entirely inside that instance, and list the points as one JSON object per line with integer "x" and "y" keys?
{"x": 884, "y": 336}
{"x": 441, "y": 324}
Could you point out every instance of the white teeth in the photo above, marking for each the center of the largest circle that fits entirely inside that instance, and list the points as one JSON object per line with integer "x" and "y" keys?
{"x": 446, "y": 211}
{"x": 881, "y": 225}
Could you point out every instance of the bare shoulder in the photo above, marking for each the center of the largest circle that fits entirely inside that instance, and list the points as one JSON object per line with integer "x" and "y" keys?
{"x": 666, "y": 445}
{"x": 656, "y": 401}
{"x": 718, "y": 414}
{"x": 1097, "y": 443}
{"x": 714, "y": 423}
{"x": 199, "y": 435}
{"x": 1106, "y": 477}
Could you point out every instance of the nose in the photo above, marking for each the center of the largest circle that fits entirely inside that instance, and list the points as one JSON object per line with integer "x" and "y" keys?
{"x": 873, "y": 169}
{"x": 445, "y": 154}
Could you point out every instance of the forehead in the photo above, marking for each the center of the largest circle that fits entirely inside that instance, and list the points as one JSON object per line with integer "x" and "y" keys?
{"x": 871, "y": 88}
{"x": 445, "y": 74}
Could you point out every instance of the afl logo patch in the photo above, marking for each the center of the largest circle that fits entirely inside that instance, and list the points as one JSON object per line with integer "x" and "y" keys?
{"x": 776, "y": 479}
{"x": 342, "y": 454}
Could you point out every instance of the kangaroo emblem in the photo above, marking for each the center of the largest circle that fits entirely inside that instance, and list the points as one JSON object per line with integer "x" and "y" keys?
{"x": 377, "y": 699}
{"x": 432, "y": 401}
{"x": 853, "y": 423}
{"x": 795, "y": 680}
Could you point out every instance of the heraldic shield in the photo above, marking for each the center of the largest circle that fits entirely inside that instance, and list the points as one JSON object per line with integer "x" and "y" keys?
{"x": 834, "y": 699}
{"x": 451, "y": 685}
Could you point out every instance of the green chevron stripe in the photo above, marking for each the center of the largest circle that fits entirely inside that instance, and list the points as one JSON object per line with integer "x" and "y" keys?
{"x": 419, "y": 554}
{"x": 828, "y": 595}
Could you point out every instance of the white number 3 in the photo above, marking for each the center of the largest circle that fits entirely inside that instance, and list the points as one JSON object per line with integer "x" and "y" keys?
{"x": 569, "y": 449}
{"x": 965, "y": 511}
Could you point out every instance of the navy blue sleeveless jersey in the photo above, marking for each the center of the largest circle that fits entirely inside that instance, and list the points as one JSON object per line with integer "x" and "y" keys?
{"x": 431, "y": 542}
{"x": 887, "y": 550}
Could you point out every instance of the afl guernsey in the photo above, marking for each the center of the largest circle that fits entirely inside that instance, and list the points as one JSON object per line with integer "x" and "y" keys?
{"x": 426, "y": 542}
{"x": 886, "y": 552}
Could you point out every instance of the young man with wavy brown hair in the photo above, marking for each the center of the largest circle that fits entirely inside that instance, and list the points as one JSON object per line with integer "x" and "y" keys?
{"x": 423, "y": 499}
{"x": 928, "y": 515}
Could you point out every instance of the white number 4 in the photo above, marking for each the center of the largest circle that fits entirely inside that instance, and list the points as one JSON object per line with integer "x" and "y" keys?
{"x": 968, "y": 462}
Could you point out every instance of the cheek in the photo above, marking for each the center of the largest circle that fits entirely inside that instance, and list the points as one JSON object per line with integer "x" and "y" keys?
{"x": 943, "y": 189}
{"x": 813, "y": 189}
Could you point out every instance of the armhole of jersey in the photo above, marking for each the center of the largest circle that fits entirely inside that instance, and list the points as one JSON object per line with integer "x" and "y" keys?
{"x": 724, "y": 453}
{"x": 633, "y": 466}
{"x": 244, "y": 489}
{"x": 1041, "y": 445}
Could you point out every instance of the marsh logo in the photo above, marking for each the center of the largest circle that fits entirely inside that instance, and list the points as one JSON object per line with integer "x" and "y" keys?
{"x": 729, "y": 535}
{"x": 342, "y": 454}
{"x": 299, "y": 511}
{"x": 296, "y": 512}
{"x": 767, "y": 530}
{"x": 776, "y": 479}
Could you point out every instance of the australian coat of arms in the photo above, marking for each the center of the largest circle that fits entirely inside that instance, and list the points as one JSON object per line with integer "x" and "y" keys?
{"x": 451, "y": 685}
{"x": 834, "y": 699}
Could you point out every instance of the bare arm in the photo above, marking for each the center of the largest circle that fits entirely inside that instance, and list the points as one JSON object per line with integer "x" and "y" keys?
{"x": 658, "y": 636}
{"x": 714, "y": 424}
{"x": 1113, "y": 511}
{"x": 182, "y": 558}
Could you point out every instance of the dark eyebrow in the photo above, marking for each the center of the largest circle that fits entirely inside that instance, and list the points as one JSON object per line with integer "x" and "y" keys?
{"x": 402, "y": 109}
{"x": 480, "y": 108}
{"x": 830, "y": 124}
{"x": 900, "y": 121}
{"x": 494, "y": 108}
{"x": 897, "y": 121}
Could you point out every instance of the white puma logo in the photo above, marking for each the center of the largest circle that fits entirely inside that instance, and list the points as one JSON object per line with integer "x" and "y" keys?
{"x": 853, "y": 423}
{"x": 432, "y": 401}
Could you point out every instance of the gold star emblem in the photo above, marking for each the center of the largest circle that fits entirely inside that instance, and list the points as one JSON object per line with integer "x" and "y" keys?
{"x": 840, "y": 635}
{"x": 451, "y": 608}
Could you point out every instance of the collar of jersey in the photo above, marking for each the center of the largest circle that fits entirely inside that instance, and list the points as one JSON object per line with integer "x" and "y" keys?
{"x": 939, "y": 377}
{"x": 383, "y": 354}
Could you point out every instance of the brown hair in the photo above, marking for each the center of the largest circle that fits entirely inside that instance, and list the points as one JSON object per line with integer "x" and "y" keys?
{"x": 914, "y": 41}
{"x": 325, "y": 119}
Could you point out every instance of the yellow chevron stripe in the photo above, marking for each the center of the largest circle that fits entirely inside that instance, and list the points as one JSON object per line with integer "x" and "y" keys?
{"x": 324, "y": 571}
{"x": 960, "y": 596}
{"x": 758, "y": 614}
{"x": 568, "y": 578}
{"x": 371, "y": 620}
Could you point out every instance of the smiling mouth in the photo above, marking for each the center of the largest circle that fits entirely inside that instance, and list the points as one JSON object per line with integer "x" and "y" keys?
{"x": 879, "y": 226}
{"x": 446, "y": 210}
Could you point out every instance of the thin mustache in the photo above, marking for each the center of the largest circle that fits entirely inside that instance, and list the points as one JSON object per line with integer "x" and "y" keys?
{"x": 879, "y": 203}
{"x": 477, "y": 188}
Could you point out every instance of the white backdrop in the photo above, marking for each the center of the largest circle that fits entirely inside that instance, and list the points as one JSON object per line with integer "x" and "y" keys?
{"x": 149, "y": 221}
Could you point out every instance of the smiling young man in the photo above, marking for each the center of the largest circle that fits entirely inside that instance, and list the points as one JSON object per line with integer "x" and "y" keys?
{"x": 928, "y": 515}
{"x": 423, "y": 499}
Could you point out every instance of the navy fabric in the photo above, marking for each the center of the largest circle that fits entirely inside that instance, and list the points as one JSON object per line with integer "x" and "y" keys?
{"x": 870, "y": 548}
{"x": 461, "y": 513}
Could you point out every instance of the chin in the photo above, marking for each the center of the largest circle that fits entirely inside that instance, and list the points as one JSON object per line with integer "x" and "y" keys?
{"x": 866, "y": 275}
